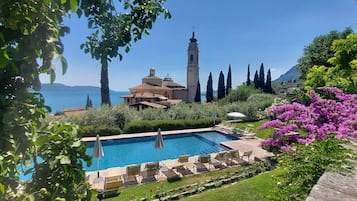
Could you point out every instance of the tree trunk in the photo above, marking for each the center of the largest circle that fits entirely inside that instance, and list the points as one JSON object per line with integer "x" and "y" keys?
{"x": 104, "y": 82}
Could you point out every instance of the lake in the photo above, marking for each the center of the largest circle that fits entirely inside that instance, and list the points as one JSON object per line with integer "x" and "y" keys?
{"x": 58, "y": 100}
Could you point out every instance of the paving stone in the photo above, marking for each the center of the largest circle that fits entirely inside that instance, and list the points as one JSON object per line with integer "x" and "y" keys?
{"x": 323, "y": 193}
{"x": 342, "y": 183}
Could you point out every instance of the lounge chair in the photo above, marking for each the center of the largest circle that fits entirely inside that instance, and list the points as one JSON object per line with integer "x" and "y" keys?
{"x": 218, "y": 160}
{"x": 232, "y": 158}
{"x": 248, "y": 154}
{"x": 200, "y": 163}
{"x": 183, "y": 170}
{"x": 171, "y": 175}
{"x": 131, "y": 173}
{"x": 149, "y": 172}
{"x": 111, "y": 187}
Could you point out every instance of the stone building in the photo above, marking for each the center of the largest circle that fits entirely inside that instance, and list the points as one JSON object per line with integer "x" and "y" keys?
{"x": 162, "y": 93}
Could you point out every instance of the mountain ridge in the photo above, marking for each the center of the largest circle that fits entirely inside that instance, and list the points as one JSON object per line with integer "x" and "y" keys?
{"x": 291, "y": 75}
{"x": 62, "y": 87}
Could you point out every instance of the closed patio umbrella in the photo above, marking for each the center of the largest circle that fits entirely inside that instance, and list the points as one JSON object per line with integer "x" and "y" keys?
{"x": 159, "y": 144}
{"x": 98, "y": 151}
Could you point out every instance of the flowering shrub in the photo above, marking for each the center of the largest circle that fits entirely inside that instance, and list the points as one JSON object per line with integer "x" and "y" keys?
{"x": 336, "y": 114}
{"x": 323, "y": 124}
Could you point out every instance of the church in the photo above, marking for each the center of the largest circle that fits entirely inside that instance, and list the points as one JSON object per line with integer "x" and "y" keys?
{"x": 156, "y": 92}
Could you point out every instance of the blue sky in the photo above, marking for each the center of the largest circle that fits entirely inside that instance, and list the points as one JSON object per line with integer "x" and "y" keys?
{"x": 228, "y": 31}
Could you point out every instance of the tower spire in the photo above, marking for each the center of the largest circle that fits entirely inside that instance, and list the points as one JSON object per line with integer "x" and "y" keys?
{"x": 193, "y": 39}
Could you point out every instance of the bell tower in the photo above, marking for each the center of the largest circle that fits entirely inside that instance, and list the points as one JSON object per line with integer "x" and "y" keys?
{"x": 192, "y": 69}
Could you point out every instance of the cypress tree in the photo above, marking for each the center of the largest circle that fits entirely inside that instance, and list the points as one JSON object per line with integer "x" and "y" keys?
{"x": 209, "y": 90}
{"x": 261, "y": 77}
{"x": 221, "y": 88}
{"x": 256, "y": 80}
{"x": 89, "y": 102}
{"x": 229, "y": 80}
{"x": 268, "y": 88}
{"x": 198, "y": 93}
{"x": 248, "y": 76}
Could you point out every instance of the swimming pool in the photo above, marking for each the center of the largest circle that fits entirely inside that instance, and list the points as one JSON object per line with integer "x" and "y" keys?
{"x": 123, "y": 152}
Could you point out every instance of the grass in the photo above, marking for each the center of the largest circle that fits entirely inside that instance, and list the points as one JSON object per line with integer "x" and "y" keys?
{"x": 264, "y": 134}
{"x": 256, "y": 188}
{"x": 145, "y": 190}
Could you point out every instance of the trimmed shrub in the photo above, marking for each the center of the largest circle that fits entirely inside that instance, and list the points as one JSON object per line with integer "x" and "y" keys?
{"x": 154, "y": 125}
{"x": 92, "y": 131}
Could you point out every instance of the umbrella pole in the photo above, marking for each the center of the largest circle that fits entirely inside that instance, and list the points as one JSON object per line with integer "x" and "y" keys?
{"x": 98, "y": 168}
{"x": 158, "y": 157}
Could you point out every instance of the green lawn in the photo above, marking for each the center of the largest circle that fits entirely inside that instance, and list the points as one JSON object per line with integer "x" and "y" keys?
{"x": 264, "y": 134}
{"x": 140, "y": 191}
{"x": 256, "y": 188}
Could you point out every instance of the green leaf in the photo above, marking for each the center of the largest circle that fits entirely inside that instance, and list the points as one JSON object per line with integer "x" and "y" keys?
{"x": 64, "y": 159}
{"x": 127, "y": 49}
{"x": 73, "y": 5}
{"x": 90, "y": 23}
{"x": 43, "y": 139}
{"x": 52, "y": 77}
{"x": 76, "y": 144}
{"x": 2, "y": 189}
{"x": 64, "y": 64}
{"x": 79, "y": 13}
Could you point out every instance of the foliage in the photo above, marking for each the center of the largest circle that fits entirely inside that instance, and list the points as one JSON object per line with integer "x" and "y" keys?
{"x": 304, "y": 165}
{"x": 241, "y": 93}
{"x": 248, "y": 76}
{"x": 319, "y": 51}
{"x": 221, "y": 88}
{"x": 30, "y": 39}
{"x": 89, "y": 103}
{"x": 181, "y": 111}
{"x": 312, "y": 135}
{"x": 268, "y": 88}
{"x": 256, "y": 188}
{"x": 261, "y": 77}
{"x": 209, "y": 90}
{"x": 61, "y": 173}
{"x": 198, "y": 93}
{"x": 263, "y": 134}
{"x": 148, "y": 189}
{"x": 154, "y": 125}
{"x": 104, "y": 130}
{"x": 114, "y": 30}
{"x": 267, "y": 114}
{"x": 250, "y": 107}
{"x": 229, "y": 80}
{"x": 105, "y": 117}
{"x": 256, "y": 80}
{"x": 342, "y": 72}
{"x": 335, "y": 114}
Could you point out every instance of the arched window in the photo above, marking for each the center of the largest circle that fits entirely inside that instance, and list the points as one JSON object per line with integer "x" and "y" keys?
{"x": 191, "y": 58}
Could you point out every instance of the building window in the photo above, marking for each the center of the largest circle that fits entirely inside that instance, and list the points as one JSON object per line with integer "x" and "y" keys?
{"x": 191, "y": 58}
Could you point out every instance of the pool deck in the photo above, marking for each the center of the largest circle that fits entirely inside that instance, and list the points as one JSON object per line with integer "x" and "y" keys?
{"x": 132, "y": 135}
{"x": 242, "y": 144}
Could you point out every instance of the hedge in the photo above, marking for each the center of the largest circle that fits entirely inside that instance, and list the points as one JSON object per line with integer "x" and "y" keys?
{"x": 92, "y": 131}
{"x": 154, "y": 125}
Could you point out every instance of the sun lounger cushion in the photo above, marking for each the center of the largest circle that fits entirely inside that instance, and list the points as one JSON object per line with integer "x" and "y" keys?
{"x": 183, "y": 158}
{"x": 171, "y": 175}
{"x": 183, "y": 170}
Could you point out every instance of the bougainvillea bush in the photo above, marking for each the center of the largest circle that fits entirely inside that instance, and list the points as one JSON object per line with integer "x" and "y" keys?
{"x": 304, "y": 124}
{"x": 310, "y": 139}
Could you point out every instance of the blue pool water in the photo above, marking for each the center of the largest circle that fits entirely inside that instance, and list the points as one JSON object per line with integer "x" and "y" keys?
{"x": 122, "y": 152}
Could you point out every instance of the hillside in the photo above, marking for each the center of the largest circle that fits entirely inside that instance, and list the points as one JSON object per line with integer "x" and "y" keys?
{"x": 61, "y": 87}
{"x": 291, "y": 75}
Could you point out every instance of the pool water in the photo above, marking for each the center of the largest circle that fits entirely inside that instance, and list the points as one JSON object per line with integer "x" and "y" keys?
{"x": 123, "y": 152}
